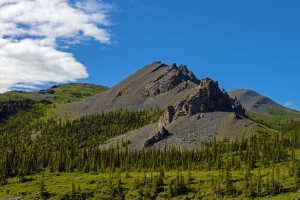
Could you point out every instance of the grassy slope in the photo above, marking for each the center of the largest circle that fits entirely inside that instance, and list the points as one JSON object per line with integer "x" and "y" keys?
{"x": 62, "y": 96}
{"x": 63, "y": 93}
{"x": 278, "y": 117}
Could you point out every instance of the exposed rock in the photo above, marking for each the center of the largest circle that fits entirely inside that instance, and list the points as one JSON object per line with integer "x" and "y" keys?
{"x": 199, "y": 116}
{"x": 208, "y": 98}
{"x": 124, "y": 92}
{"x": 183, "y": 86}
{"x": 168, "y": 116}
{"x": 161, "y": 131}
{"x": 187, "y": 75}
{"x": 169, "y": 80}
{"x": 160, "y": 135}
{"x": 159, "y": 66}
{"x": 195, "y": 111}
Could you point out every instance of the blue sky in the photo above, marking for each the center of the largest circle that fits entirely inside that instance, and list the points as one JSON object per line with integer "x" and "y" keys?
{"x": 242, "y": 44}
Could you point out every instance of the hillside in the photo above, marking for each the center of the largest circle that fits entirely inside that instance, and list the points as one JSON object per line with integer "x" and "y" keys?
{"x": 62, "y": 93}
{"x": 53, "y": 101}
{"x": 264, "y": 110}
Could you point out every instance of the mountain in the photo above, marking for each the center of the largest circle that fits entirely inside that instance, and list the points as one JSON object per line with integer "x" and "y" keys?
{"x": 195, "y": 110}
{"x": 254, "y": 101}
{"x": 264, "y": 110}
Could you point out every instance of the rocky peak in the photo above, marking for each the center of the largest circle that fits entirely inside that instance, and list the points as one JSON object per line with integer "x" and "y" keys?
{"x": 187, "y": 75}
{"x": 169, "y": 80}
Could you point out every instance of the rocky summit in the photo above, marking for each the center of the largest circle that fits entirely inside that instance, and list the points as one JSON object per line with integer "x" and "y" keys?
{"x": 169, "y": 80}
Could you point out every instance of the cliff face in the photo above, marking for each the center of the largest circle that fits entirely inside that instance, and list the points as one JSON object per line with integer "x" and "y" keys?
{"x": 209, "y": 98}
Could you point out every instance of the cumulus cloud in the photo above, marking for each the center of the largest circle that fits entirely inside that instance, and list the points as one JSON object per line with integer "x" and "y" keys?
{"x": 31, "y": 32}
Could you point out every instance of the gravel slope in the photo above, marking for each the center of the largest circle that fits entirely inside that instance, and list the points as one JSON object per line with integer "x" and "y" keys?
{"x": 188, "y": 132}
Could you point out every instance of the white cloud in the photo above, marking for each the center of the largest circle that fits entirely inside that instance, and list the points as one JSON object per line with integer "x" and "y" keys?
{"x": 29, "y": 35}
{"x": 30, "y": 62}
{"x": 288, "y": 104}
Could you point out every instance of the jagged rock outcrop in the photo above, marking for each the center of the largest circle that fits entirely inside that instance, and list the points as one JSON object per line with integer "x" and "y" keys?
{"x": 208, "y": 98}
{"x": 169, "y": 80}
{"x": 161, "y": 132}
{"x": 167, "y": 117}
{"x": 187, "y": 75}
{"x": 160, "y": 135}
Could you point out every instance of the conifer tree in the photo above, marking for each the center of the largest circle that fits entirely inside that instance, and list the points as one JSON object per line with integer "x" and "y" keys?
{"x": 42, "y": 189}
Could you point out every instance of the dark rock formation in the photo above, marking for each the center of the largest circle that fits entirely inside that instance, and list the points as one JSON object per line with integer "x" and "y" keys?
{"x": 167, "y": 118}
{"x": 161, "y": 132}
{"x": 169, "y": 80}
{"x": 160, "y": 135}
{"x": 208, "y": 98}
{"x": 186, "y": 75}
{"x": 124, "y": 92}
